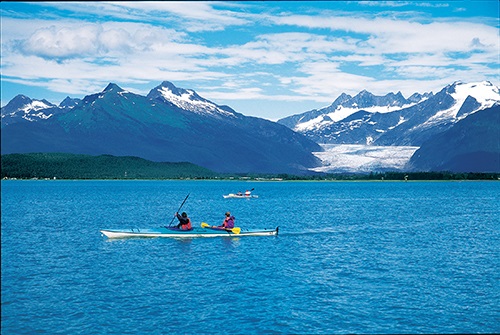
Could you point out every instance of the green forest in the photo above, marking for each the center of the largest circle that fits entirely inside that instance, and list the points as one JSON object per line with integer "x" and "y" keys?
{"x": 73, "y": 166}
{"x": 76, "y": 166}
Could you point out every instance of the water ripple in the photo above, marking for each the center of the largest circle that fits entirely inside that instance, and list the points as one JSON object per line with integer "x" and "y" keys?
{"x": 350, "y": 258}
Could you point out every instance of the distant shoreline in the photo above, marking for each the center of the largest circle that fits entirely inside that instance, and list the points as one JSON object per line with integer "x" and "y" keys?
{"x": 59, "y": 166}
{"x": 341, "y": 179}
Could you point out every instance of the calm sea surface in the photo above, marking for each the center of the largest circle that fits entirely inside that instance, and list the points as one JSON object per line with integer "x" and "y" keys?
{"x": 351, "y": 257}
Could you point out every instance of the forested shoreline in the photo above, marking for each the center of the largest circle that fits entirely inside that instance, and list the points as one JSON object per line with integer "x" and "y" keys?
{"x": 78, "y": 166}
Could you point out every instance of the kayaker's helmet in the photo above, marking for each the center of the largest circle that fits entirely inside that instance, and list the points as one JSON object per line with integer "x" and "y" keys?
{"x": 184, "y": 215}
{"x": 228, "y": 214}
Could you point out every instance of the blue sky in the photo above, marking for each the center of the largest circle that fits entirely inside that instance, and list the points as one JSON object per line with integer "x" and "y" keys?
{"x": 268, "y": 59}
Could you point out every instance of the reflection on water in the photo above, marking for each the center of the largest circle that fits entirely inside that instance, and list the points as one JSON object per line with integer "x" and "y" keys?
{"x": 230, "y": 242}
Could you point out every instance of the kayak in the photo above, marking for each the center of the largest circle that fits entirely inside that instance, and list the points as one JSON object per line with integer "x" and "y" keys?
{"x": 243, "y": 196}
{"x": 178, "y": 233}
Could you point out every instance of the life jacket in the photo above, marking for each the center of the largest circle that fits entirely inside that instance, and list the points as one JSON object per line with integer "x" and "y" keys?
{"x": 187, "y": 226}
{"x": 229, "y": 222}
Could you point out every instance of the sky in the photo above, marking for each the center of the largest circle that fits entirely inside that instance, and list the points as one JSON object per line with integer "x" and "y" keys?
{"x": 268, "y": 59}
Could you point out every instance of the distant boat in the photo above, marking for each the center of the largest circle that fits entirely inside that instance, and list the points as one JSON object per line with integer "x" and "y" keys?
{"x": 247, "y": 195}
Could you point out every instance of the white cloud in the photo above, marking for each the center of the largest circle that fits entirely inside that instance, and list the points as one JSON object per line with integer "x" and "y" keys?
{"x": 392, "y": 36}
{"x": 192, "y": 15}
{"x": 326, "y": 79}
{"x": 73, "y": 40}
{"x": 52, "y": 42}
{"x": 282, "y": 57}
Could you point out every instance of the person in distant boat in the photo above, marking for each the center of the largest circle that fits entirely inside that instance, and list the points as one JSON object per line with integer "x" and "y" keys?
{"x": 228, "y": 222}
{"x": 184, "y": 221}
{"x": 247, "y": 193}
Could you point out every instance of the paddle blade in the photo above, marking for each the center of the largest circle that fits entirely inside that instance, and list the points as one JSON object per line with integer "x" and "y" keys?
{"x": 236, "y": 230}
{"x": 204, "y": 225}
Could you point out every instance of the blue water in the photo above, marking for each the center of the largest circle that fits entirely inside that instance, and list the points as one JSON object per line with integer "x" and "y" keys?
{"x": 351, "y": 257}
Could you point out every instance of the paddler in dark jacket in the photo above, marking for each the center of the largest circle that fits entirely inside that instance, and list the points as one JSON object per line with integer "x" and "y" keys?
{"x": 184, "y": 221}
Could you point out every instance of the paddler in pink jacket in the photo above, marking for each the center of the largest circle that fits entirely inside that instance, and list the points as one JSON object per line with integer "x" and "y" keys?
{"x": 228, "y": 222}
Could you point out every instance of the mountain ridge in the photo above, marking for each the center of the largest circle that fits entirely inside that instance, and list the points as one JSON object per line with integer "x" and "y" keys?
{"x": 384, "y": 120}
{"x": 121, "y": 123}
{"x": 177, "y": 124}
{"x": 471, "y": 145}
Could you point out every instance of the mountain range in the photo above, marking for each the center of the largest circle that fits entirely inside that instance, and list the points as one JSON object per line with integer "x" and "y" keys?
{"x": 444, "y": 125}
{"x": 170, "y": 124}
{"x": 453, "y": 127}
{"x": 392, "y": 119}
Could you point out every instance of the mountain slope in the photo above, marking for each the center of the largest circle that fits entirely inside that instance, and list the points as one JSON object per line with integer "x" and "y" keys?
{"x": 437, "y": 114}
{"x": 471, "y": 145}
{"x": 169, "y": 125}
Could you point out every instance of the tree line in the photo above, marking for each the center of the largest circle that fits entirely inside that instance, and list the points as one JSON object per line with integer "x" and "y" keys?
{"x": 77, "y": 166}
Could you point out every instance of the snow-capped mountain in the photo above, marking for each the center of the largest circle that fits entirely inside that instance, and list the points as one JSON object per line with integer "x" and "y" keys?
{"x": 346, "y": 105}
{"x": 392, "y": 119}
{"x": 23, "y": 108}
{"x": 169, "y": 125}
{"x": 187, "y": 100}
{"x": 174, "y": 124}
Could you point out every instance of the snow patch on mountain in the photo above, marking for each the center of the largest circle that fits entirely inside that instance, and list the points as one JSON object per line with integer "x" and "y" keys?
{"x": 34, "y": 116}
{"x": 355, "y": 158}
{"x": 35, "y": 105}
{"x": 342, "y": 113}
{"x": 485, "y": 93}
{"x": 401, "y": 120}
{"x": 31, "y": 110}
{"x": 191, "y": 101}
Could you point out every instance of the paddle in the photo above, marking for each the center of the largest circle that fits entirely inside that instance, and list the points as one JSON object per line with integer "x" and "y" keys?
{"x": 179, "y": 209}
{"x": 235, "y": 230}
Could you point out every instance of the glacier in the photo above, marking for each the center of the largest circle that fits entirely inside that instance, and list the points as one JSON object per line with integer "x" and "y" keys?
{"x": 357, "y": 158}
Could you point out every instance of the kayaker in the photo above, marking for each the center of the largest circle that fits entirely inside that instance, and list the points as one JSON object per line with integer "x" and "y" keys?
{"x": 228, "y": 222}
{"x": 184, "y": 221}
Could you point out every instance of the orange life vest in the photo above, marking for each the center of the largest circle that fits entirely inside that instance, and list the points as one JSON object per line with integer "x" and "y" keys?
{"x": 187, "y": 226}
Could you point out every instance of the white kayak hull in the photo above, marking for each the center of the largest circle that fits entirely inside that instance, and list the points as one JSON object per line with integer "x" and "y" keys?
{"x": 174, "y": 233}
{"x": 238, "y": 196}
